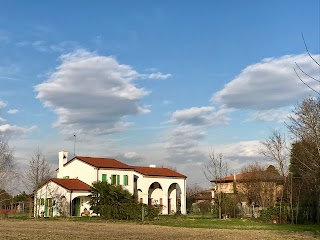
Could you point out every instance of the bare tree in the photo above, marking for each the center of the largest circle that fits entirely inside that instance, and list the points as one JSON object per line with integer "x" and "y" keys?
{"x": 302, "y": 72}
{"x": 216, "y": 169}
{"x": 275, "y": 148}
{"x": 305, "y": 127}
{"x": 38, "y": 171}
{"x": 6, "y": 165}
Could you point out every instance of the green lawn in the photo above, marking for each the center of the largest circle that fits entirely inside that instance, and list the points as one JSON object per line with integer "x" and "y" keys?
{"x": 196, "y": 221}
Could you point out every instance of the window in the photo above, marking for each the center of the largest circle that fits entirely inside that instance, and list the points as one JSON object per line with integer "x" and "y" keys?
{"x": 113, "y": 179}
{"x": 66, "y": 177}
{"x": 104, "y": 177}
{"x": 42, "y": 201}
{"x": 125, "y": 180}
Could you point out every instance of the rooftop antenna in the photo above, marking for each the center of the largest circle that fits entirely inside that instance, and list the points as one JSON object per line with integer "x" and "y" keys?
{"x": 74, "y": 145}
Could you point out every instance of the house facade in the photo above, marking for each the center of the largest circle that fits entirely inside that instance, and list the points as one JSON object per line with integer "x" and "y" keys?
{"x": 258, "y": 188}
{"x": 70, "y": 192}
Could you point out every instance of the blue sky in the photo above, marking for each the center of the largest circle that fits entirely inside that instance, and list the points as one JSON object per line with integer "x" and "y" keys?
{"x": 152, "y": 82}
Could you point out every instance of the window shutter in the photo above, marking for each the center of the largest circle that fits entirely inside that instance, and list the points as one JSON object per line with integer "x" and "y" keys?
{"x": 104, "y": 177}
{"x": 38, "y": 201}
{"x": 125, "y": 180}
{"x": 118, "y": 179}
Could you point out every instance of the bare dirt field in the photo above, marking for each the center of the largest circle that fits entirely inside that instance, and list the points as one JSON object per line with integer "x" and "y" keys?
{"x": 64, "y": 229}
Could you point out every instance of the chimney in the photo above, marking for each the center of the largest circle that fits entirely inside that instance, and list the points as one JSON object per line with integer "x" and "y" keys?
{"x": 234, "y": 177}
{"x": 63, "y": 158}
{"x": 152, "y": 166}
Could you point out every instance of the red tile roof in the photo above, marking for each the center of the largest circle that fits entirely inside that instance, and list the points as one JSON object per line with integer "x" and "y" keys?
{"x": 71, "y": 184}
{"x": 113, "y": 163}
{"x": 102, "y": 162}
{"x": 261, "y": 176}
{"x": 159, "y": 172}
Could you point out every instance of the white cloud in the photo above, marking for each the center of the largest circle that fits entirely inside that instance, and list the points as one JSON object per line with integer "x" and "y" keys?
{"x": 201, "y": 116}
{"x": 64, "y": 46}
{"x": 182, "y": 142}
{"x": 13, "y": 130}
{"x": 278, "y": 115}
{"x": 40, "y": 46}
{"x": 131, "y": 155}
{"x": 2, "y": 120}
{"x": 91, "y": 94}
{"x": 166, "y": 102}
{"x": 157, "y": 75}
{"x": 2, "y": 105}
{"x": 13, "y": 111}
{"x": 241, "y": 149}
{"x": 269, "y": 84}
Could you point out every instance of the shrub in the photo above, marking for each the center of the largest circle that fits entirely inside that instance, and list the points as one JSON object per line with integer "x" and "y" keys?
{"x": 114, "y": 202}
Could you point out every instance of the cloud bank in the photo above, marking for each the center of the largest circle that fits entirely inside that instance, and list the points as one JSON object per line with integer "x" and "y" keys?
{"x": 271, "y": 83}
{"x": 182, "y": 142}
{"x": 92, "y": 94}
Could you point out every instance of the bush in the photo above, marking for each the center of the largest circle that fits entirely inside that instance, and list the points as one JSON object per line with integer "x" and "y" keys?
{"x": 114, "y": 202}
{"x": 270, "y": 214}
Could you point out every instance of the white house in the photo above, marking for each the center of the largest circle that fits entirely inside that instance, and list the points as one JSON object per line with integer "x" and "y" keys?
{"x": 69, "y": 193}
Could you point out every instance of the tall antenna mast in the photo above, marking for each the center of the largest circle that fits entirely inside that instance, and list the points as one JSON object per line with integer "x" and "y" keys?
{"x": 74, "y": 145}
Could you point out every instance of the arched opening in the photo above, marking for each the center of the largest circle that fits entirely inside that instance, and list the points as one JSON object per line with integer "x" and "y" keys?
{"x": 155, "y": 194}
{"x": 75, "y": 207}
{"x": 140, "y": 196}
{"x": 174, "y": 198}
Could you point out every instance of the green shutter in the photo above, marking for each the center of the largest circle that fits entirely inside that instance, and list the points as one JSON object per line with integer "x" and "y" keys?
{"x": 38, "y": 201}
{"x": 45, "y": 207}
{"x": 51, "y": 207}
{"x": 104, "y": 177}
{"x": 125, "y": 180}
{"x": 118, "y": 179}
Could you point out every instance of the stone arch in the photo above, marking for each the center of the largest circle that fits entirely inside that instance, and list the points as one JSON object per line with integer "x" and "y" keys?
{"x": 174, "y": 196}
{"x": 155, "y": 194}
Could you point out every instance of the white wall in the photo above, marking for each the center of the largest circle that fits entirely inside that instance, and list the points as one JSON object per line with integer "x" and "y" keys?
{"x": 90, "y": 174}
{"x": 61, "y": 198}
{"x": 144, "y": 182}
{"x": 121, "y": 173}
{"x": 80, "y": 170}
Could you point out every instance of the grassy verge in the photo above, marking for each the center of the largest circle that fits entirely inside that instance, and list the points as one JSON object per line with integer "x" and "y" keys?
{"x": 195, "y": 221}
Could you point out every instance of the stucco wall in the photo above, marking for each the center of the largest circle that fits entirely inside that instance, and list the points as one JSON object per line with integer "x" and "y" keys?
{"x": 53, "y": 200}
{"x": 121, "y": 173}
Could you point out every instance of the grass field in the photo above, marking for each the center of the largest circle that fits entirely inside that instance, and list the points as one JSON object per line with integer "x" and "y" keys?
{"x": 164, "y": 228}
{"x": 194, "y": 221}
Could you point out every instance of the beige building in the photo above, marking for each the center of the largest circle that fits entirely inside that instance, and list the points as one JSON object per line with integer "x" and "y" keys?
{"x": 260, "y": 188}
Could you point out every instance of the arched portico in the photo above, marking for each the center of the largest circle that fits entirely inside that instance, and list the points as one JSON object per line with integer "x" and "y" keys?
{"x": 174, "y": 198}
{"x": 155, "y": 194}
{"x": 168, "y": 194}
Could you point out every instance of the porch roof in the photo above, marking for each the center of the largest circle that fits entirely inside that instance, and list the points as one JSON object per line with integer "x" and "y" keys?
{"x": 71, "y": 184}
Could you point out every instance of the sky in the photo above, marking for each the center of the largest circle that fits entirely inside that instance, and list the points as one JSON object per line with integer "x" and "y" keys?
{"x": 153, "y": 82}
